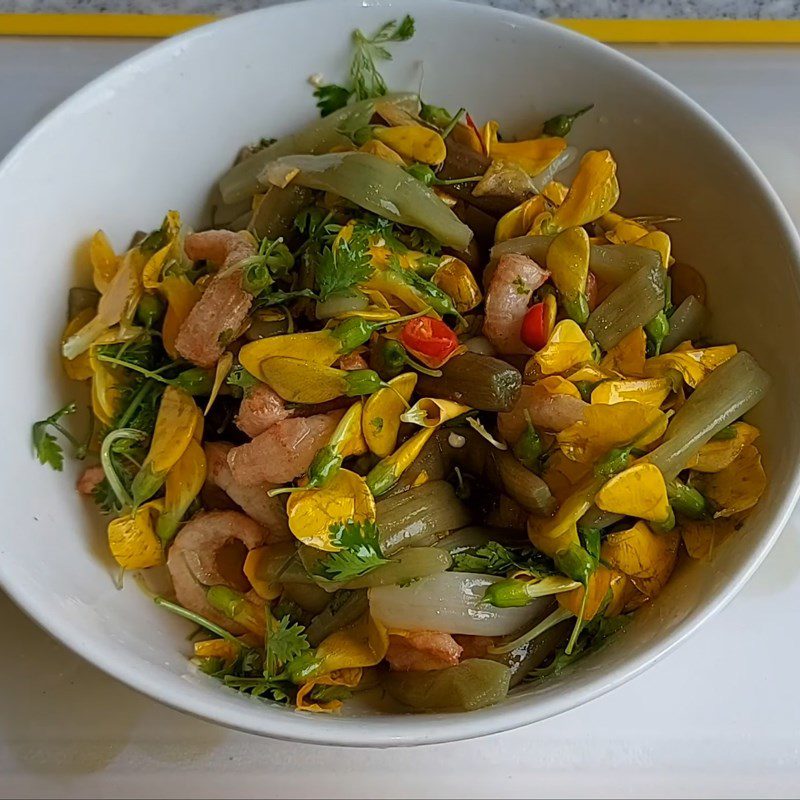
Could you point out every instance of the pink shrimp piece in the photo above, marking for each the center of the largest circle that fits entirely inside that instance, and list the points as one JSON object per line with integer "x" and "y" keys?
{"x": 283, "y": 452}
{"x": 474, "y": 646}
{"x": 352, "y": 361}
{"x": 210, "y": 551}
{"x": 90, "y": 479}
{"x": 514, "y": 281}
{"x": 214, "y": 319}
{"x": 222, "y": 309}
{"x": 260, "y": 409}
{"x": 551, "y": 412}
{"x": 422, "y": 650}
{"x": 253, "y": 500}
{"x": 223, "y": 248}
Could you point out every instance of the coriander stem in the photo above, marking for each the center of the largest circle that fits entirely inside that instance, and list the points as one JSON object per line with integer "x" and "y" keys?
{"x": 197, "y": 619}
{"x": 136, "y": 401}
{"x": 113, "y": 479}
{"x": 453, "y": 122}
{"x": 136, "y": 368}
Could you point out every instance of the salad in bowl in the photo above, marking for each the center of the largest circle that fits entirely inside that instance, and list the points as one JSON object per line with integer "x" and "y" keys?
{"x": 419, "y": 416}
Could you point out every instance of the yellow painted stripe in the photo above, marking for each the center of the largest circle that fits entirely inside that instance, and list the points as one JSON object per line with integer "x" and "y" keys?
{"x": 155, "y": 26}
{"x": 688, "y": 31}
{"x": 620, "y": 31}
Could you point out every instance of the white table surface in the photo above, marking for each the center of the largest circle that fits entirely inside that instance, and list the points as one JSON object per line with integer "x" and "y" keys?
{"x": 720, "y": 717}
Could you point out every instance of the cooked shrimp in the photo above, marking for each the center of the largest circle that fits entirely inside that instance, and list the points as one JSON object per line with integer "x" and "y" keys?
{"x": 223, "y": 248}
{"x": 214, "y": 319}
{"x": 220, "y": 312}
{"x": 90, "y": 479}
{"x": 283, "y": 452}
{"x": 352, "y": 361}
{"x": 474, "y": 646}
{"x": 514, "y": 281}
{"x": 210, "y": 551}
{"x": 260, "y": 409}
{"x": 253, "y": 500}
{"x": 422, "y": 650}
{"x": 552, "y": 412}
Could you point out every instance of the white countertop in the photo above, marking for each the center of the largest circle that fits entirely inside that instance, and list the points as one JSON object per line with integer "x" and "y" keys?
{"x": 720, "y": 717}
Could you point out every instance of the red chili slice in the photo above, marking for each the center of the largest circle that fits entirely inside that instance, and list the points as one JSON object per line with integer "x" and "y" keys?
{"x": 538, "y": 323}
{"x": 428, "y": 337}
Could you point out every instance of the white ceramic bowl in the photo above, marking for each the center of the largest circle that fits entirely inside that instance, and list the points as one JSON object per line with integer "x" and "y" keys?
{"x": 155, "y": 132}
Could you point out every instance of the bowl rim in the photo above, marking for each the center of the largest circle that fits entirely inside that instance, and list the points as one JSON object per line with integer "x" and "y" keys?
{"x": 407, "y": 730}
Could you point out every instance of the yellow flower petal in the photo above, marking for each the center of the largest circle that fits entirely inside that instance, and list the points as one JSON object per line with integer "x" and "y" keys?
{"x": 691, "y": 365}
{"x": 720, "y": 453}
{"x": 413, "y": 142}
{"x": 568, "y": 262}
{"x": 349, "y": 677}
{"x": 107, "y": 384}
{"x": 590, "y": 373}
{"x": 265, "y": 565}
{"x": 455, "y": 278}
{"x": 519, "y": 220}
{"x": 639, "y": 491}
{"x": 647, "y": 558}
{"x": 648, "y": 391}
{"x": 103, "y": 260}
{"x": 171, "y": 255}
{"x": 80, "y": 367}
{"x": 220, "y": 373}
{"x": 553, "y": 535}
{"x": 658, "y": 241}
{"x": 555, "y": 384}
{"x": 562, "y": 475}
{"x": 132, "y": 539}
{"x": 627, "y": 357}
{"x": 174, "y": 429}
{"x": 624, "y": 231}
{"x": 382, "y": 410}
{"x": 388, "y": 470}
{"x": 533, "y": 155}
{"x": 300, "y": 381}
{"x": 429, "y": 412}
{"x": 593, "y": 193}
{"x": 604, "y": 427}
{"x": 736, "y": 488}
{"x": 567, "y": 347}
{"x": 312, "y": 512}
{"x": 182, "y": 485}
{"x": 361, "y": 644}
{"x": 317, "y": 347}
{"x": 181, "y": 295}
{"x": 217, "y": 648}
{"x": 377, "y": 148}
{"x": 606, "y": 595}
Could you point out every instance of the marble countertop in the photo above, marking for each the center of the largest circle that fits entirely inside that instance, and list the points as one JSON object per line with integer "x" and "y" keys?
{"x": 644, "y": 9}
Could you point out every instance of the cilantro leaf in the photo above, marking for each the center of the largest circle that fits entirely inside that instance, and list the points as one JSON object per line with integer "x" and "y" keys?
{"x": 241, "y": 378}
{"x": 48, "y": 450}
{"x": 331, "y": 97}
{"x": 365, "y": 79}
{"x": 341, "y": 267}
{"x": 494, "y": 558}
{"x": 279, "y": 297}
{"x": 360, "y": 553}
{"x": 286, "y": 641}
{"x": 45, "y": 445}
{"x": 273, "y": 260}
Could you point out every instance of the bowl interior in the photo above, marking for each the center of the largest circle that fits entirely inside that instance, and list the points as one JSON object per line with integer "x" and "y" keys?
{"x": 156, "y": 132}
